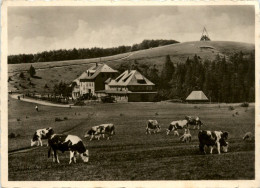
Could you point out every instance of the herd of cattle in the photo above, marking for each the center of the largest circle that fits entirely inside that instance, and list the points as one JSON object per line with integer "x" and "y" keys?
{"x": 75, "y": 146}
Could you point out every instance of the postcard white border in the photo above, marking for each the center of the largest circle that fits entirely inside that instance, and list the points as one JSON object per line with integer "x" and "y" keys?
{"x": 151, "y": 184}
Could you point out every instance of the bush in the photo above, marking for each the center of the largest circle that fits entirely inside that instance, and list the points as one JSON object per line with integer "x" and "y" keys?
{"x": 18, "y": 119}
{"x": 65, "y": 118}
{"x": 58, "y": 119}
{"x": 245, "y": 104}
{"x": 231, "y": 108}
{"x": 9, "y": 79}
{"x": 21, "y": 75}
{"x": 32, "y": 71}
{"x": 156, "y": 113}
{"x": 79, "y": 103}
{"x": 121, "y": 114}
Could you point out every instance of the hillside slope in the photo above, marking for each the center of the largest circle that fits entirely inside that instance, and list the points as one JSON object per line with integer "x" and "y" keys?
{"x": 51, "y": 73}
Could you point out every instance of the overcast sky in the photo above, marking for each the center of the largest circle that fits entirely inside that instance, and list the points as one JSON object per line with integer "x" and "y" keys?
{"x": 37, "y": 29}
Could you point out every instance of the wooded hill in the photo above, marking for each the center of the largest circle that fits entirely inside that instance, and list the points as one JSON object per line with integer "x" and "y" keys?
{"x": 85, "y": 53}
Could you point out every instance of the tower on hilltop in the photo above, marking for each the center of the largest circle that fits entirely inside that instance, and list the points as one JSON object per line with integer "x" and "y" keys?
{"x": 204, "y": 35}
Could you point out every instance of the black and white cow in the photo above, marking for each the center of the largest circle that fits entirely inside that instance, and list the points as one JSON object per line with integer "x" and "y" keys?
{"x": 70, "y": 143}
{"x": 211, "y": 139}
{"x": 94, "y": 132}
{"x": 194, "y": 121}
{"x": 106, "y": 130}
{"x": 175, "y": 125}
{"x": 152, "y": 126}
{"x": 41, "y": 134}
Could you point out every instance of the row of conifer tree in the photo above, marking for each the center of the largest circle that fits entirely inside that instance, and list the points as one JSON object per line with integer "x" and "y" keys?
{"x": 222, "y": 80}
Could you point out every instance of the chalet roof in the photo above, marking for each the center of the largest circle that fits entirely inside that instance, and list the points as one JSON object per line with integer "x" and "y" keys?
{"x": 197, "y": 95}
{"x": 93, "y": 71}
{"x": 130, "y": 78}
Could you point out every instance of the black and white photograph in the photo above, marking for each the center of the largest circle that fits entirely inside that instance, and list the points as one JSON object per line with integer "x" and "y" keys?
{"x": 130, "y": 93}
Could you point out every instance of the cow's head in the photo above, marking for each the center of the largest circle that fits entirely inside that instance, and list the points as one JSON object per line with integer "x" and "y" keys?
{"x": 158, "y": 128}
{"x": 224, "y": 147}
{"x": 85, "y": 156}
{"x": 48, "y": 132}
{"x": 33, "y": 143}
{"x": 88, "y": 133}
{"x": 34, "y": 139}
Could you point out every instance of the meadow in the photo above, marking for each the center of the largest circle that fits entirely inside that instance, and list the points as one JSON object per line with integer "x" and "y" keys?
{"x": 131, "y": 154}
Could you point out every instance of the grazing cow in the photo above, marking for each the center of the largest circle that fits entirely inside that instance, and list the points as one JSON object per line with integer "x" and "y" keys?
{"x": 248, "y": 136}
{"x": 211, "y": 139}
{"x": 186, "y": 137}
{"x": 41, "y": 134}
{"x": 152, "y": 126}
{"x": 194, "y": 121}
{"x": 175, "y": 125}
{"x": 94, "y": 132}
{"x": 106, "y": 129}
{"x": 70, "y": 143}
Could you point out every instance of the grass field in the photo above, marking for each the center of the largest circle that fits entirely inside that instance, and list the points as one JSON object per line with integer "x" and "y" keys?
{"x": 131, "y": 154}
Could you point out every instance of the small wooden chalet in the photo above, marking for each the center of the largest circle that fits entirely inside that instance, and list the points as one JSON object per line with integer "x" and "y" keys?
{"x": 197, "y": 96}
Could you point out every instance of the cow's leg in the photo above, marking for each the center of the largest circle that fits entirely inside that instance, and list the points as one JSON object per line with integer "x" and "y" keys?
{"x": 56, "y": 156}
{"x": 40, "y": 141}
{"x": 91, "y": 137}
{"x": 210, "y": 149}
{"x": 218, "y": 147}
{"x": 71, "y": 156}
{"x": 74, "y": 157}
{"x": 202, "y": 148}
{"x": 53, "y": 157}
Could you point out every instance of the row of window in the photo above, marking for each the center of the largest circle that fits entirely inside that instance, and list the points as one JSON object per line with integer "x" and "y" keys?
{"x": 133, "y": 88}
{"x": 87, "y": 84}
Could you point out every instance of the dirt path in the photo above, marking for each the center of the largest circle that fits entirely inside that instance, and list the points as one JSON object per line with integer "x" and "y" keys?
{"x": 15, "y": 96}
